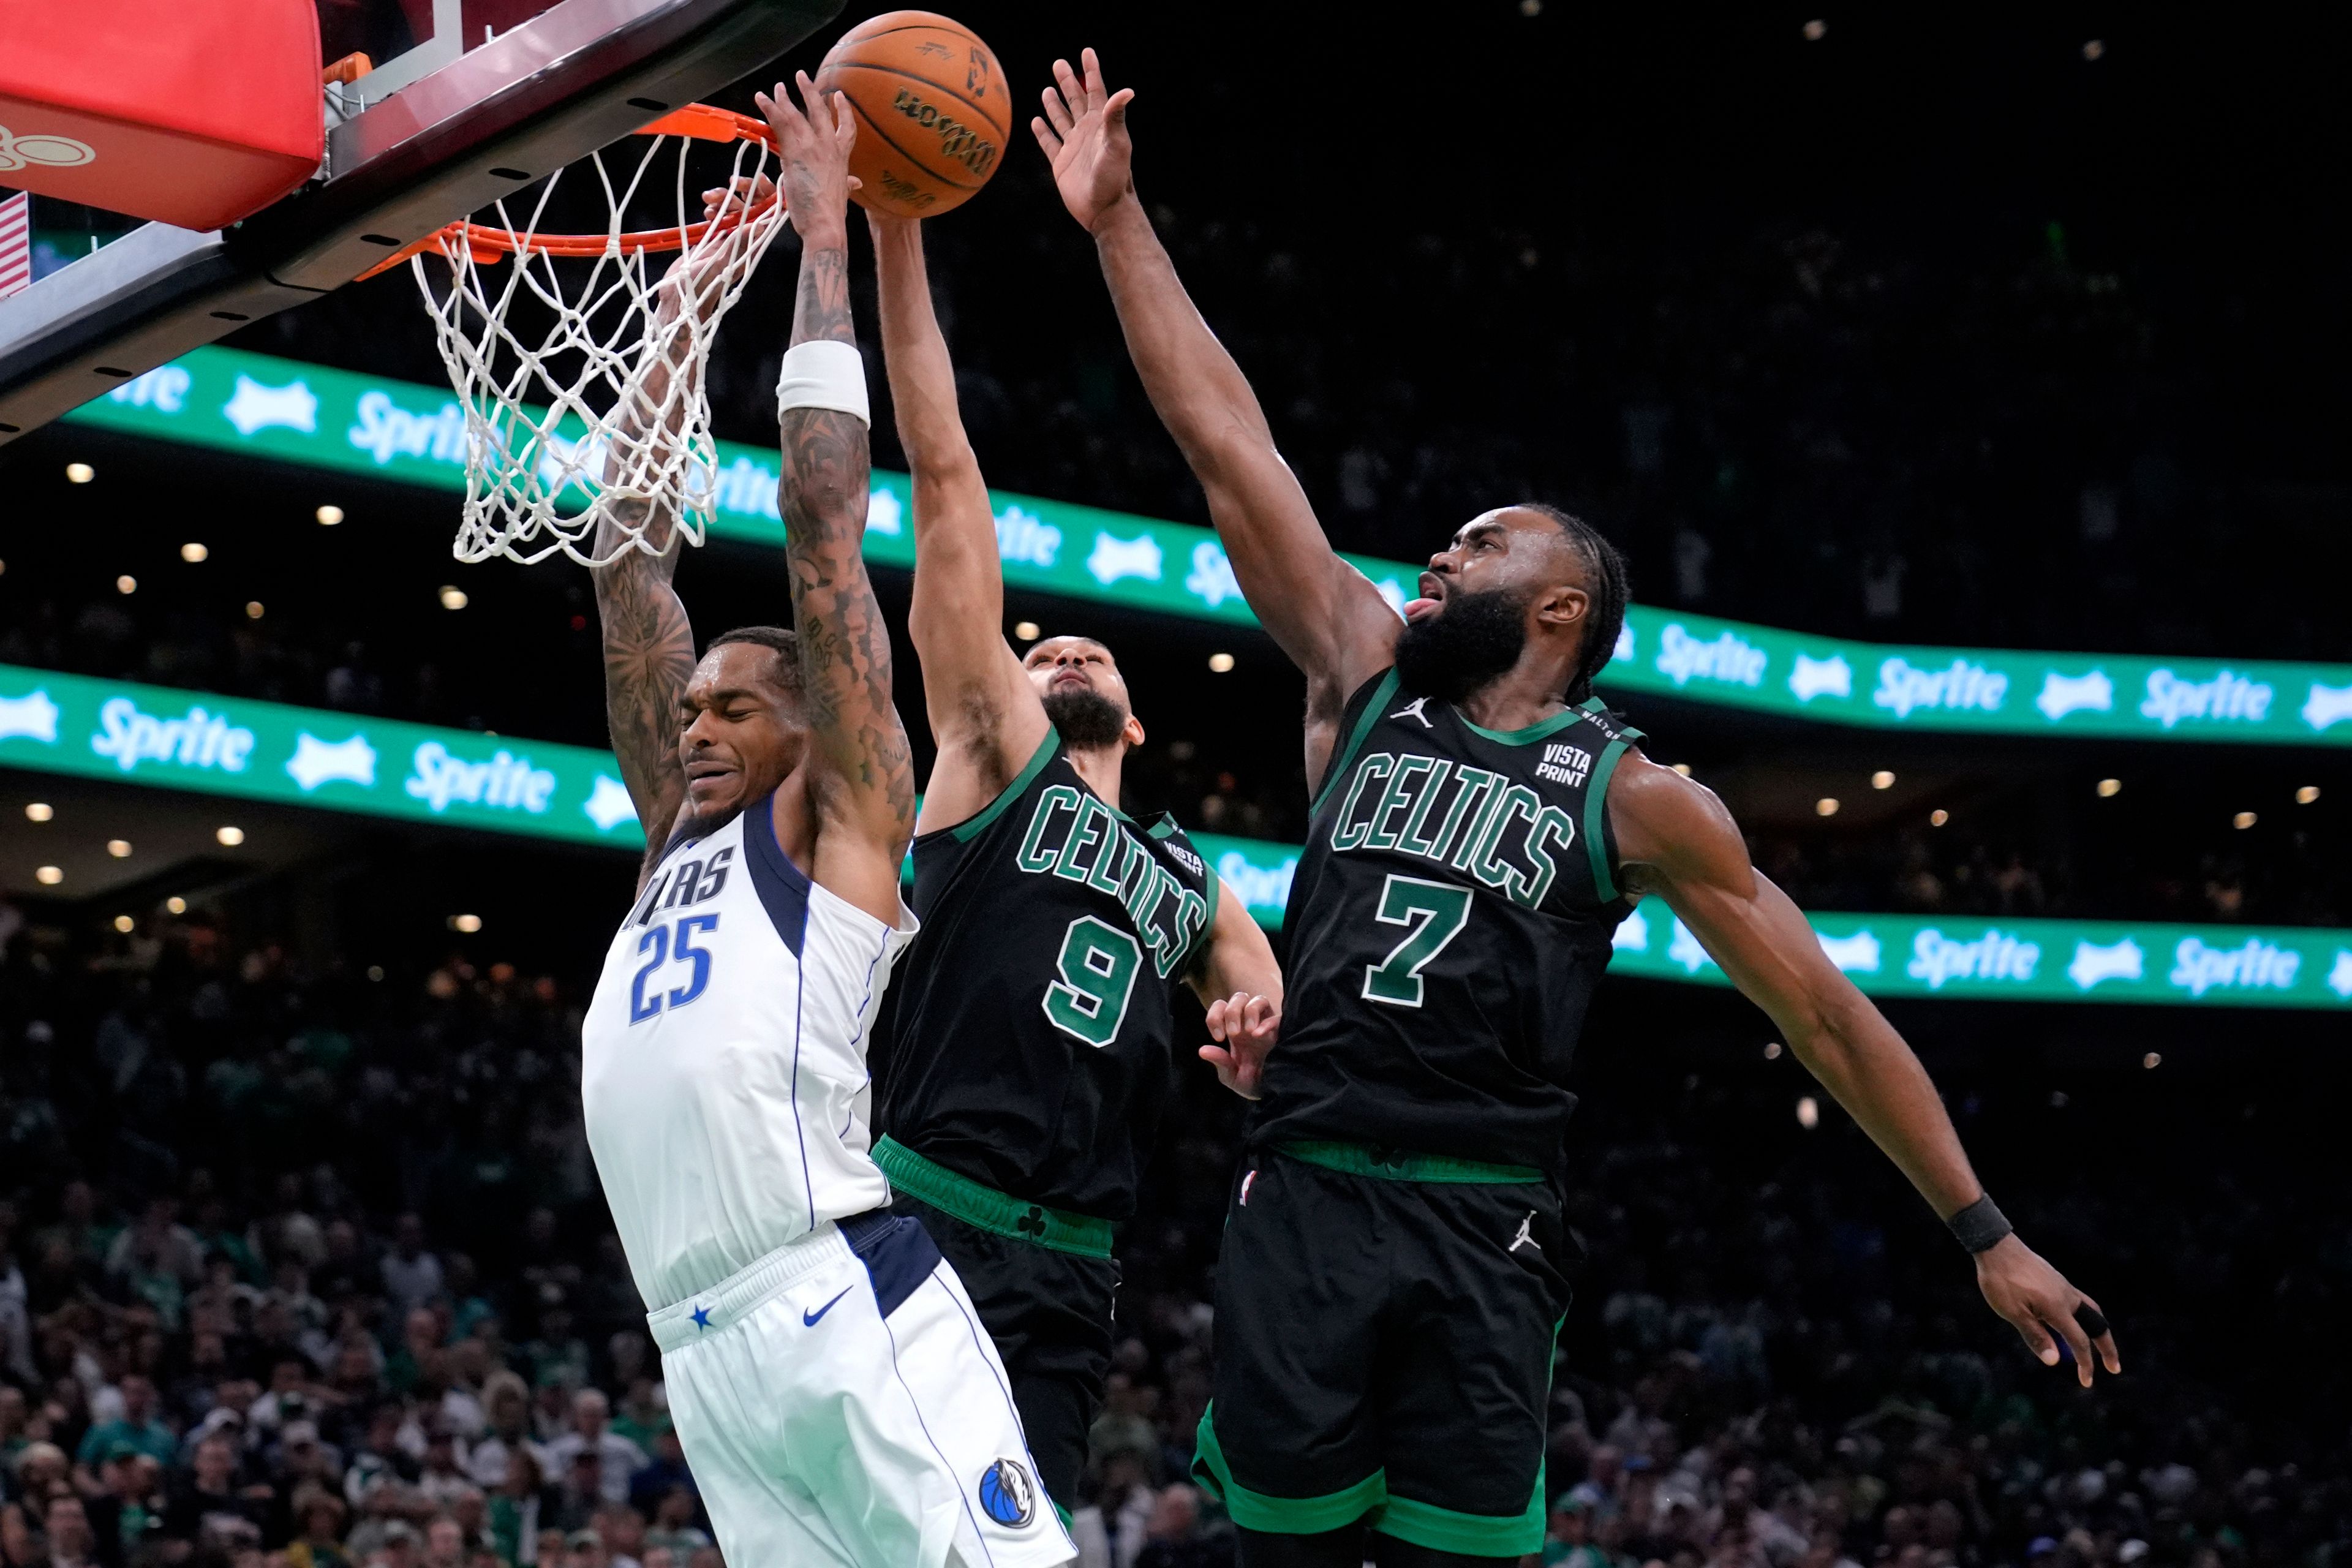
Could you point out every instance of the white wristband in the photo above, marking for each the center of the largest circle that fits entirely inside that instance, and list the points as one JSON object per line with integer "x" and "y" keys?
{"x": 823, "y": 375}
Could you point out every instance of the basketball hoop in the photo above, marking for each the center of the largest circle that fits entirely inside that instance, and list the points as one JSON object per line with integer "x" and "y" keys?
{"x": 581, "y": 374}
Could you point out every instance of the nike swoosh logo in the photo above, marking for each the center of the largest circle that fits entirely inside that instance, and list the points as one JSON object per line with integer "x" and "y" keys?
{"x": 808, "y": 1319}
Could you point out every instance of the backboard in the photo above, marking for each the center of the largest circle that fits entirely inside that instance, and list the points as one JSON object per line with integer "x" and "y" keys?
{"x": 468, "y": 99}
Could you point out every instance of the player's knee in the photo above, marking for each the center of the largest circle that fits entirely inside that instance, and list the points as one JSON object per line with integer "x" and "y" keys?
{"x": 1332, "y": 1548}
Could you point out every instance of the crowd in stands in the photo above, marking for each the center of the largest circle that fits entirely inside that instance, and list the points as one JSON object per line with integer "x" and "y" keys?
{"x": 310, "y": 1270}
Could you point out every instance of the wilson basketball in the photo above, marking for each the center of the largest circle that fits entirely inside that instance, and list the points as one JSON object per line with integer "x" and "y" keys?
{"x": 933, "y": 110}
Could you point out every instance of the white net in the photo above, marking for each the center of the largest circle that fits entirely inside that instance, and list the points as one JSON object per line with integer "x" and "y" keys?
{"x": 580, "y": 363}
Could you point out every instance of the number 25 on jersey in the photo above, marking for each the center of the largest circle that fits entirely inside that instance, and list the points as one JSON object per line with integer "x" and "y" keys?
{"x": 663, "y": 948}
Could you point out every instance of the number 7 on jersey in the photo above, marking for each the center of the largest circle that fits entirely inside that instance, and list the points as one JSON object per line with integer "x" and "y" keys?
{"x": 1435, "y": 913}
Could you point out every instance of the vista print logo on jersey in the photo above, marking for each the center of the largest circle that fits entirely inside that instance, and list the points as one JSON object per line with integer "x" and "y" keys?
{"x": 504, "y": 783}
{"x": 197, "y": 739}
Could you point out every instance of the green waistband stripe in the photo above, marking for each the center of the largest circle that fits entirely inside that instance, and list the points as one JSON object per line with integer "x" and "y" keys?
{"x": 985, "y": 1208}
{"x": 1402, "y": 1165}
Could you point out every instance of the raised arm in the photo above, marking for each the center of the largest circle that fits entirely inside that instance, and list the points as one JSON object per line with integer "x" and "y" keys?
{"x": 648, "y": 645}
{"x": 863, "y": 780}
{"x": 986, "y": 718}
{"x": 1327, "y": 616}
{"x": 1677, "y": 841}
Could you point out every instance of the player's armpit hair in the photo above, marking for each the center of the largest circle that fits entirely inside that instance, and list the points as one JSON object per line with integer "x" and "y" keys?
{"x": 1606, "y": 618}
{"x": 782, "y": 641}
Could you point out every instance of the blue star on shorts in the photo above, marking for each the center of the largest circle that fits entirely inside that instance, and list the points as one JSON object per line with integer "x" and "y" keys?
{"x": 701, "y": 1317}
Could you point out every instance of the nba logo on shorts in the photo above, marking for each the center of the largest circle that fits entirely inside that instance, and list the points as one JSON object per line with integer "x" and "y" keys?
{"x": 1008, "y": 1495}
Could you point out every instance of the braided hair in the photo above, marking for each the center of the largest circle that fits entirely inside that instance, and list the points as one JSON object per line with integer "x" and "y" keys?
{"x": 1606, "y": 618}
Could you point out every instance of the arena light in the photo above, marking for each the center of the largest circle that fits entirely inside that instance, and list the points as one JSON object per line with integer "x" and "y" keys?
{"x": 375, "y": 973}
{"x": 1808, "y": 1113}
{"x": 2153, "y": 1061}
{"x": 232, "y": 836}
{"x": 1771, "y": 1050}
{"x": 48, "y": 876}
{"x": 253, "y": 609}
{"x": 126, "y": 584}
{"x": 124, "y": 923}
{"x": 328, "y": 515}
{"x": 453, "y": 598}
{"x": 467, "y": 924}
{"x": 1815, "y": 31}
{"x": 1221, "y": 662}
{"x": 2094, "y": 49}
{"x": 2306, "y": 794}
{"x": 39, "y": 811}
{"x": 1683, "y": 768}
{"x": 176, "y": 904}
{"x": 193, "y": 553}
{"x": 119, "y": 847}
{"x": 1826, "y": 807}
{"x": 1882, "y": 779}
{"x": 80, "y": 473}
{"x": 1027, "y": 631}
{"x": 1937, "y": 817}
{"x": 2243, "y": 820}
{"x": 2110, "y": 788}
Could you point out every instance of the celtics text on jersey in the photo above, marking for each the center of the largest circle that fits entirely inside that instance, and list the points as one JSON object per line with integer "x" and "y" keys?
{"x": 1449, "y": 919}
{"x": 1032, "y": 1044}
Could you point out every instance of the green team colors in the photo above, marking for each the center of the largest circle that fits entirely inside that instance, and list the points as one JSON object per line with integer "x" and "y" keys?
{"x": 328, "y": 418}
{"x": 301, "y": 756}
{"x": 382, "y": 767}
{"x": 175, "y": 739}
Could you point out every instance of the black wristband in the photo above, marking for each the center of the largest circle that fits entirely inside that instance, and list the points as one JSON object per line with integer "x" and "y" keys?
{"x": 1980, "y": 1226}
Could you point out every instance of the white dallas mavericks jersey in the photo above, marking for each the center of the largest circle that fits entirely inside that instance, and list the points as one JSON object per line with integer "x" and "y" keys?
{"x": 723, "y": 1060}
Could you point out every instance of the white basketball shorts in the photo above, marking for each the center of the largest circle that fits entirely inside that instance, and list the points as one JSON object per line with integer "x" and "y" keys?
{"x": 841, "y": 1407}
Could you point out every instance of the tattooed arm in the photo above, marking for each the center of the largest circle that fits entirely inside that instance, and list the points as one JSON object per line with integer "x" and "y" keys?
{"x": 863, "y": 778}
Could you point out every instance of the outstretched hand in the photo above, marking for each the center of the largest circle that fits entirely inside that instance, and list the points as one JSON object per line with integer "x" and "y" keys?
{"x": 700, "y": 273}
{"x": 2037, "y": 1300}
{"x": 1246, "y": 1025}
{"x": 812, "y": 144}
{"x": 1084, "y": 133}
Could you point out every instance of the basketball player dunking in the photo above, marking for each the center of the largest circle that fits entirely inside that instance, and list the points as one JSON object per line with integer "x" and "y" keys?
{"x": 1032, "y": 1048}
{"x": 835, "y": 1400}
{"x": 1390, "y": 1288}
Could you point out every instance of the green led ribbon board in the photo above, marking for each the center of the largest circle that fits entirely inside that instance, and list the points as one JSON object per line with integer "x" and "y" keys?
{"x": 180, "y": 740}
{"x": 332, "y": 419}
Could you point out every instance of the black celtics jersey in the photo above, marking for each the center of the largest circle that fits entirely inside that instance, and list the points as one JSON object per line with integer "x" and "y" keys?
{"x": 1450, "y": 916}
{"x": 1031, "y": 1051}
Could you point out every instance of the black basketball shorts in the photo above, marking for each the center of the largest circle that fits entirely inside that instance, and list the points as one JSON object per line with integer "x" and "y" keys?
{"x": 1385, "y": 1325}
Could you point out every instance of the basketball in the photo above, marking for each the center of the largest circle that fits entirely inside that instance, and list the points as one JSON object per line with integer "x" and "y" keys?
{"x": 933, "y": 110}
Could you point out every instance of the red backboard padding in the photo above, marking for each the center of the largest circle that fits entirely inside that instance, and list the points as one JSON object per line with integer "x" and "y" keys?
{"x": 196, "y": 112}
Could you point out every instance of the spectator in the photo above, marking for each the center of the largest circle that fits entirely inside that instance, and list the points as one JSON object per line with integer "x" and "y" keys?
{"x": 69, "y": 1540}
{"x": 522, "y": 1510}
{"x": 412, "y": 1274}
{"x": 137, "y": 1429}
{"x": 507, "y": 1403}
{"x": 617, "y": 1458}
{"x": 320, "y": 1513}
{"x": 673, "y": 1529}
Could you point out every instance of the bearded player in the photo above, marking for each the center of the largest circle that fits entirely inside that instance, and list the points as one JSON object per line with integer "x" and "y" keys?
{"x": 1030, "y": 1056}
{"x": 1390, "y": 1287}
{"x": 834, "y": 1400}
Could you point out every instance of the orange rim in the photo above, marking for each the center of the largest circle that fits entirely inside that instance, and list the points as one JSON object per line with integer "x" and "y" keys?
{"x": 696, "y": 121}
